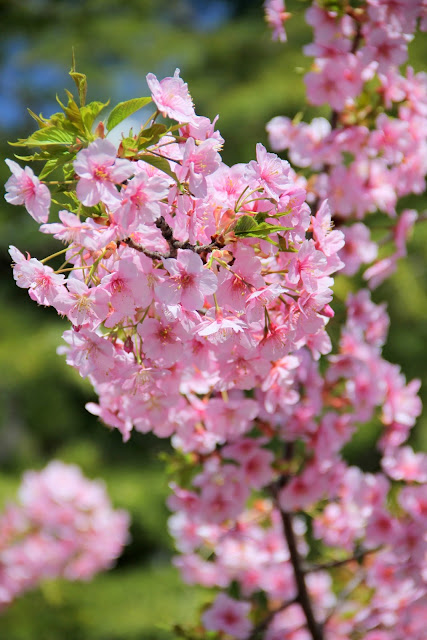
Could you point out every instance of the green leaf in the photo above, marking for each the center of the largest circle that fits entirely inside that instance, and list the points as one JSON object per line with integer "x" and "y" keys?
{"x": 72, "y": 113}
{"x": 24, "y": 158}
{"x": 159, "y": 163}
{"x": 264, "y": 230}
{"x": 55, "y": 163}
{"x": 151, "y": 135}
{"x": 125, "y": 109}
{"x": 80, "y": 80}
{"x": 285, "y": 247}
{"x": 50, "y": 166}
{"x": 90, "y": 112}
{"x": 42, "y": 122}
{"x": 244, "y": 225}
{"x": 297, "y": 118}
{"x": 263, "y": 215}
{"x": 249, "y": 227}
{"x": 50, "y": 136}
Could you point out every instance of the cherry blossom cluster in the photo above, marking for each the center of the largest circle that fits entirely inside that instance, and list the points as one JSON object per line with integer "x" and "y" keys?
{"x": 373, "y": 150}
{"x": 62, "y": 527}
{"x": 190, "y": 283}
{"x": 226, "y": 536}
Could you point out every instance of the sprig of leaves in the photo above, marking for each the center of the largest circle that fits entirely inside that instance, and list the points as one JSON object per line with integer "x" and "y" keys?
{"x": 255, "y": 227}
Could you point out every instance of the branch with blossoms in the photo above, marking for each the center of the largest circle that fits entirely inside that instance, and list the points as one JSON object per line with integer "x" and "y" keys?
{"x": 199, "y": 296}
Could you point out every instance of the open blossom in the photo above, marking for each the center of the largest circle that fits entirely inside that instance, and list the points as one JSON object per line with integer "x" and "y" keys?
{"x": 228, "y": 615}
{"x": 142, "y": 199}
{"x": 218, "y": 328}
{"x": 358, "y": 248}
{"x": 71, "y": 230}
{"x": 172, "y": 98}
{"x": 24, "y": 188}
{"x": 199, "y": 161}
{"x": 189, "y": 281}
{"x": 307, "y": 269}
{"x": 100, "y": 170}
{"x": 405, "y": 464}
{"x": 42, "y": 282}
{"x": 83, "y": 306}
{"x": 270, "y": 171}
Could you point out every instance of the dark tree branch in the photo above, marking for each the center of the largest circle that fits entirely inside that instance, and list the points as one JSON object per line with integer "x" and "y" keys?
{"x": 154, "y": 255}
{"x": 303, "y": 597}
{"x": 167, "y": 233}
{"x": 174, "y": 245}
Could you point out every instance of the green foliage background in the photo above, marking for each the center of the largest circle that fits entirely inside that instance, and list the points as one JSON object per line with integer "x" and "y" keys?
{"x": 233, "y": 69}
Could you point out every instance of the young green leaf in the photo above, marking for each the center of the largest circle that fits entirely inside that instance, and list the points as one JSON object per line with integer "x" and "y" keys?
{"x": 80, "y": 80}
{"x": 47, "y": 136}
{"x": 151, "y": 135}
{"x": 90, "y": 112}
{"x": 159, "y": 163}
{"x": 244, "y": 225}
{"x": 125, "y": 109}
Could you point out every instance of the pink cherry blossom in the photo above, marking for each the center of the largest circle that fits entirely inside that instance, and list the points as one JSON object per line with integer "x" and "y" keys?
{"x": 99, "y": 171}
{"x": 141, "y": 200}
{"x": 172, "y": 98}
{"x": 276, "y": 17}
{"x": 189, "y": 281}
{"x": 42, "y": 282}
{"x": 24, "y": 188}
{"x": 83, "y": 306}
{"x": 229, "y": 616}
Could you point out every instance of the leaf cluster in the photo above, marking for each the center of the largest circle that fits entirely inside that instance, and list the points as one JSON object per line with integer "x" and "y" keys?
{"x": 248, "y": 226}
{"x": 60, "y": 137}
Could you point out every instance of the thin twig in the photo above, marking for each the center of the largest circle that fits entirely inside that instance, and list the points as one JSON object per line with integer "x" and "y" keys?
{"x": 358, "y": 555}
{"x": 264, "y": 623}
{"x": 344, "y": 594}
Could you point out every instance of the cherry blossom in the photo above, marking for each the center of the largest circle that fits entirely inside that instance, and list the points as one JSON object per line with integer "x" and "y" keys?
{"x": 172, "y": 98}
{"x": 23, "y": 187}
{"x": 99, "y": 170}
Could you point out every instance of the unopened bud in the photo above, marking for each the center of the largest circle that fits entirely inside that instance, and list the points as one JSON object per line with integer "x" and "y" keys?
{"x": 100, "y": 131}
{"x": 110, "y": 249}
{"x": 101, "y": 220}
{"x": 327, "y": 311}
{"x": 128, "y": 345}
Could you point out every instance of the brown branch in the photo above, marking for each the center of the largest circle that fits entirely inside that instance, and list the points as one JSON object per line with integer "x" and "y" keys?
{"x": 167, "y": 233}
{"x": 357, "y": 37}
{"x": 303, "y": 597}
{"x": 154, "y": 255}
{"x": 174, "y": 245}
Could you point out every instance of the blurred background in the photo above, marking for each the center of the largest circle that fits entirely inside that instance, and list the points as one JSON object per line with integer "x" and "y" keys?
{"x": 225, "y": 53}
